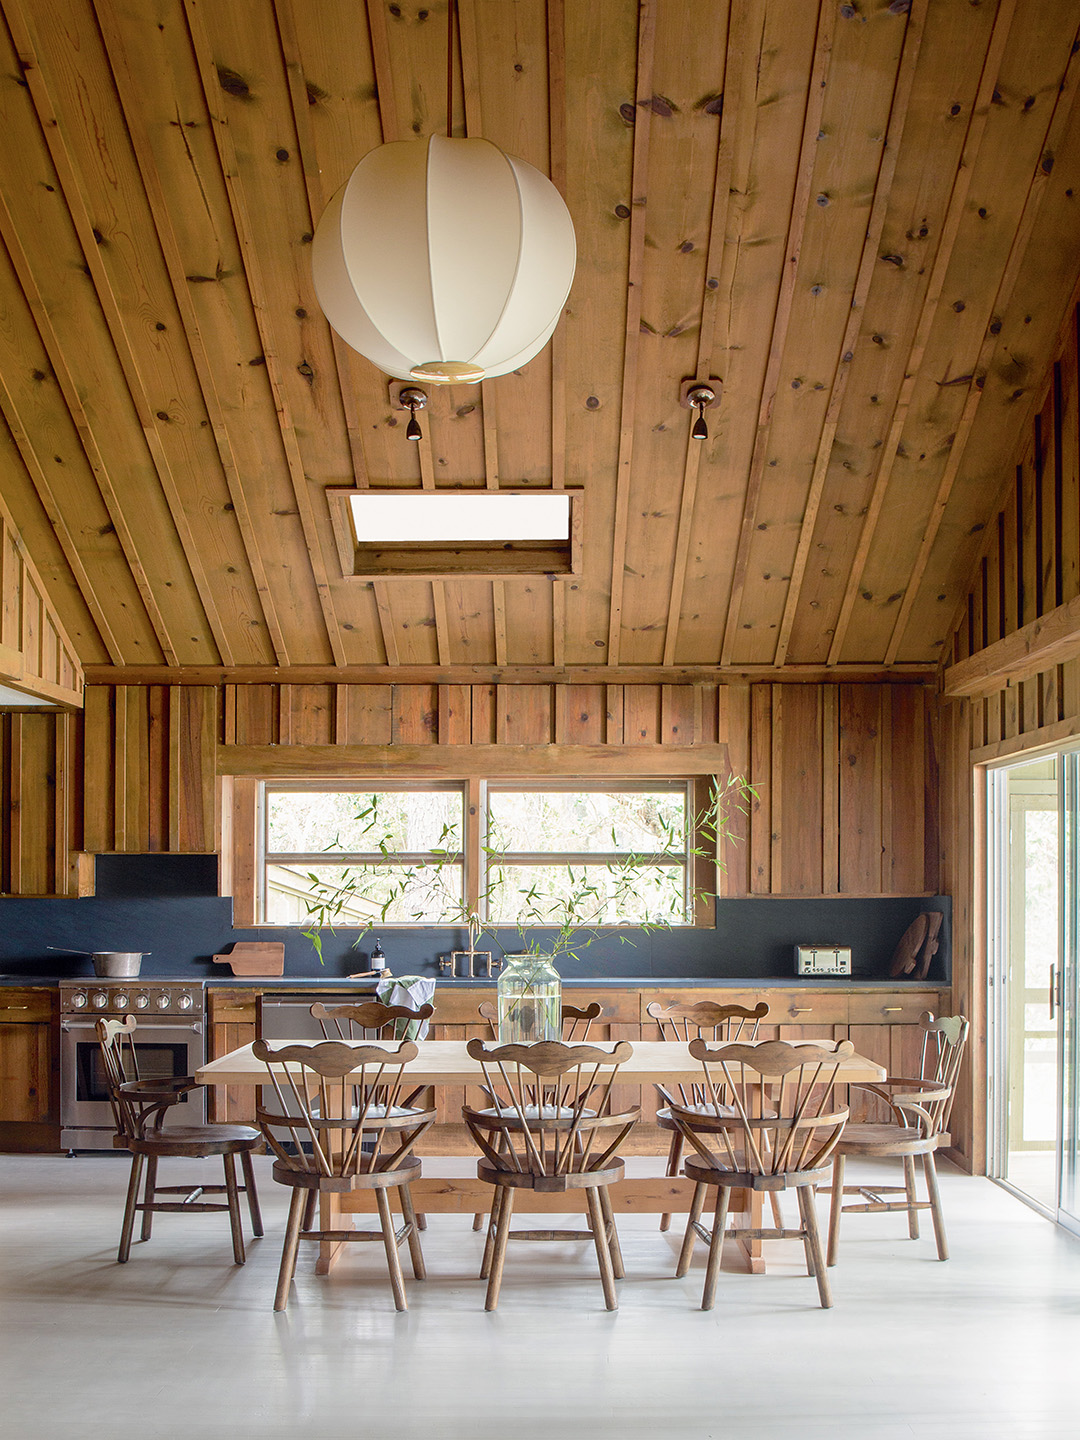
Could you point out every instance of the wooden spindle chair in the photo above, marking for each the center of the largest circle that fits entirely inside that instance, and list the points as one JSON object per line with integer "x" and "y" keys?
{"x": 540, "y": 1135}
{"x": 917, "y": 1123}
{"x": 722, "y": 1024}
{"x": 372, "y": 1020}
{"x": 576, "y": 1020}
{"x": 341, "y": 1128}
{"x": 139, "y": 1107}
{"x": 576, "y": 1023}
{"x": 782, "y": 1135}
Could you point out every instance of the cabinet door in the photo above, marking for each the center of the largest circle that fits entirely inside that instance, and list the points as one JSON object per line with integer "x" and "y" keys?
{"x": 25, "y": 1073}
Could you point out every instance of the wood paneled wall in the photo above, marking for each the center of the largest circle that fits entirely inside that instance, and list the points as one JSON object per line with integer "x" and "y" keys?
{"x": 40, "y": 796}
{"x": 1013, "y": 683}
{"x": 844, "y": 775}
{"x": 36, "y": 654}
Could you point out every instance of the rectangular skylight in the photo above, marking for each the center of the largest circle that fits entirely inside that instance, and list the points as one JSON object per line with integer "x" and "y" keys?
{"x": 458, "y": 517}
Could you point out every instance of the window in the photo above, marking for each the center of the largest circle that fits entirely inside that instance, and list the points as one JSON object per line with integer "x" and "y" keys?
{"x": 456, "y": 532}
{"x": 341, "y": 857}
{"x": 619, "y": 855}
{"x": 623, "y": 853}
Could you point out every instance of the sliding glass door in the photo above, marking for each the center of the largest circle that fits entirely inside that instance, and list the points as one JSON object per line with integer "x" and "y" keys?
{"x": 1025, "y": 946}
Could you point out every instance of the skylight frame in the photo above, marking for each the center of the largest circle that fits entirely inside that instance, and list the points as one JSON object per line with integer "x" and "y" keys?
{"x": 364, "y": 559}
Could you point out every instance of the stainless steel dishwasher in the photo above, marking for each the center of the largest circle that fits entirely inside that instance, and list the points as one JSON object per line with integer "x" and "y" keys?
{"x": 286, "y": 1014}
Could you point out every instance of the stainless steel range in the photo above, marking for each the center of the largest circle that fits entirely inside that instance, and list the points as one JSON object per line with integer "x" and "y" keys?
{"x": 170, "y": 1041}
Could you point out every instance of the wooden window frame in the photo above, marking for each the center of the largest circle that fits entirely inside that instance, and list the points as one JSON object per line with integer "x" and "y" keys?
{"x": 463, "y": 560}
{"x": 243, "y": 867}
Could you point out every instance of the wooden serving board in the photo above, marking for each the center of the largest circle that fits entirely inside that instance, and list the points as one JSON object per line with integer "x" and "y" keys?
{"x": 255, "y": 957}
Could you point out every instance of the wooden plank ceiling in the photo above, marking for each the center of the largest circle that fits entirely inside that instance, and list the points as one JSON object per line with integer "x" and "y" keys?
{"x": 861, "y": 217}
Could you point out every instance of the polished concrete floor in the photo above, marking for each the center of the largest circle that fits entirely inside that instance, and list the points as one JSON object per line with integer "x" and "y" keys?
{"x": 180, "y": 1343}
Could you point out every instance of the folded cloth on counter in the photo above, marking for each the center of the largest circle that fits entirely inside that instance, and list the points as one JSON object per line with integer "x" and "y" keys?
{"x": 411, "y": 991}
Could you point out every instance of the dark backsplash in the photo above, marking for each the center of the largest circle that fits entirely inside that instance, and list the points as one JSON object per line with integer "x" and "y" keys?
{"x": 161, "y": 904}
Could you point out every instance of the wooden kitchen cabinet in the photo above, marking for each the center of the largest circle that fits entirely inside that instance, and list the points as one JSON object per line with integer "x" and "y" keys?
{"x": 882, "y": 1024}
{"x": 29, "y": 1068}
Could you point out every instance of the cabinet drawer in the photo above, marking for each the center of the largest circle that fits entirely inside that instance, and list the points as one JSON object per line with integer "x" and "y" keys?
{"x": 23, "y": 1007}
{"x": 898, "y": 1007}
{"x": 808, "y": 1007}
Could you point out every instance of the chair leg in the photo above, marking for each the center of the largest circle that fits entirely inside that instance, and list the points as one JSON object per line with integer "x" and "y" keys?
{"x": 492, "y": 1230}
{"x": 148, "y": 1195}
{"x": 310, "y": 1202}
{"x": 478, "y": 1221}
{"x": 129, "y": 1209}
{"x": 716, "y": 1247}
{"x": 419, "y": 1269}
{"x": 252, "y": 1194}
{"x": 930, "y": 1171}
{"x": 836, "y": 1205}
{"x": 815, "y": 1260}
{"x": 504, "y": 1199}
{"x": 613, "y": 1234}
{"x": 421, "y": 1222}
{"x": 393, "y": 1259}
{"x": 674, "y": 1157}
{"x": 777, "y": 1213}
{"x": 297, "y": 1205}
{"x": 603, "y": 1252}
{"x": 232, "y": 1191}
{"x": 690, "y": 1237}
{"x": 912, "y": 1196}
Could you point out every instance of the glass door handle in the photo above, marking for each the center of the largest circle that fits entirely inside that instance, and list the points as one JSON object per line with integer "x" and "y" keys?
{"x": 1053, "y": 991}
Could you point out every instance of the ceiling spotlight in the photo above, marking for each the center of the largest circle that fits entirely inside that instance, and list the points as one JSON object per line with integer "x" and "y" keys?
{"x": 412, "y": 399}
{"x": 699, "y": 399}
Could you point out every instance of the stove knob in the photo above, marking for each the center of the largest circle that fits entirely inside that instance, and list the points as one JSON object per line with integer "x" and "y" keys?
{"x": 99, "y": 999}
{"x": 78, "y": 1000}
{"x": 184, "y": 1002}
{"x": 120, "y": 1000}
{"x": 142, "y": 1000}
{"x": 162, "y": 1002}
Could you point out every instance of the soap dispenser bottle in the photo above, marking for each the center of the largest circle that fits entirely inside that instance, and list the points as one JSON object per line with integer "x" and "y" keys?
{"x": 378, "y": 960}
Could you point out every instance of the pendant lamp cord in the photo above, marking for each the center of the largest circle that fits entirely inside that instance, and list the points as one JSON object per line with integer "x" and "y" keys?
{"x": 451, "y": 12}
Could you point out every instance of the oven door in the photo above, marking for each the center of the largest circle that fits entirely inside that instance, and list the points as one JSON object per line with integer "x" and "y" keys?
{"x": 165, "y": 1050}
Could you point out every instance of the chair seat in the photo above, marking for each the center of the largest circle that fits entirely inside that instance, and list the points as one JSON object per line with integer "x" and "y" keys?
{"x": 697, "y": 1170}
{"x": 549, "y": 1112}
{"x": 374, "y": 1112}
{"x": 197, "y": 1140}
{"x": 293, "y": 1173}
{"x": 548, "y": 1184}
{"x": 887, "y": 1139}
{"x": 710, "y": 1112}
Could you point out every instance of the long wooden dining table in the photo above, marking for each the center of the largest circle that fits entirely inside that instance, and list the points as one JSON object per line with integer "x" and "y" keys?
{"x": 447, "y": 1063}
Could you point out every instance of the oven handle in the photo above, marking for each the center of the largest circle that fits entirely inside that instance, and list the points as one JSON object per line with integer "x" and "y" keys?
{"x": 195, "y": 1025}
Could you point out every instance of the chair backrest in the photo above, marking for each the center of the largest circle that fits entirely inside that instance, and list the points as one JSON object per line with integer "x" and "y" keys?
{"x": 784, "y": 1117}
{"x": 942, "y": 1051}
{"x": 576, "y": 1021}
{"x": 722, "y": 1024}
{"x": 552, "y": 1104}
{"x": 337, "y": 1107}
{"x": 120, "y": 1062}
{"x": 370, "y": 1020}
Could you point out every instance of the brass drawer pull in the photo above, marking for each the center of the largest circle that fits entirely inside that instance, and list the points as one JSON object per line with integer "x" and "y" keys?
{"x": 888, "y": 1008}
{"x": 14, "y": 1007}
{"x": 801, "y": 1009}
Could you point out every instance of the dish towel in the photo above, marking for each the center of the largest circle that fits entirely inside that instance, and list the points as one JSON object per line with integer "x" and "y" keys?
{"x": 412, "y": 991}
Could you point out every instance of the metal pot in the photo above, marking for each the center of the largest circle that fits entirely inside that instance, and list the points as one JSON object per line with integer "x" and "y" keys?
{"x": 117, "y": 963}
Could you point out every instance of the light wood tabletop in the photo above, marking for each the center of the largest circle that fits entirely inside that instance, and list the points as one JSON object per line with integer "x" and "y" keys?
{"x": 447, "y": 1062}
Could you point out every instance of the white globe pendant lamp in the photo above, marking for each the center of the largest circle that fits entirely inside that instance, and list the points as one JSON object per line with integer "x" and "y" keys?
{"x": 444, "y": 260}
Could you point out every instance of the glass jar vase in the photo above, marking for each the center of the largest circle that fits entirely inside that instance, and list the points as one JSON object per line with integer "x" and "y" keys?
{"x": 530, "y": 1000}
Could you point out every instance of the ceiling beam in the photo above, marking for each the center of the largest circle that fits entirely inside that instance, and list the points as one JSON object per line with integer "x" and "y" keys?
{"x": 502, "y": 674}
{"x": 1050, "y": 640}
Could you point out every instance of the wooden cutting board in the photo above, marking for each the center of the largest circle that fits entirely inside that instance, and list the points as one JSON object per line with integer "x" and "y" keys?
{"x": 255, "y": 957}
